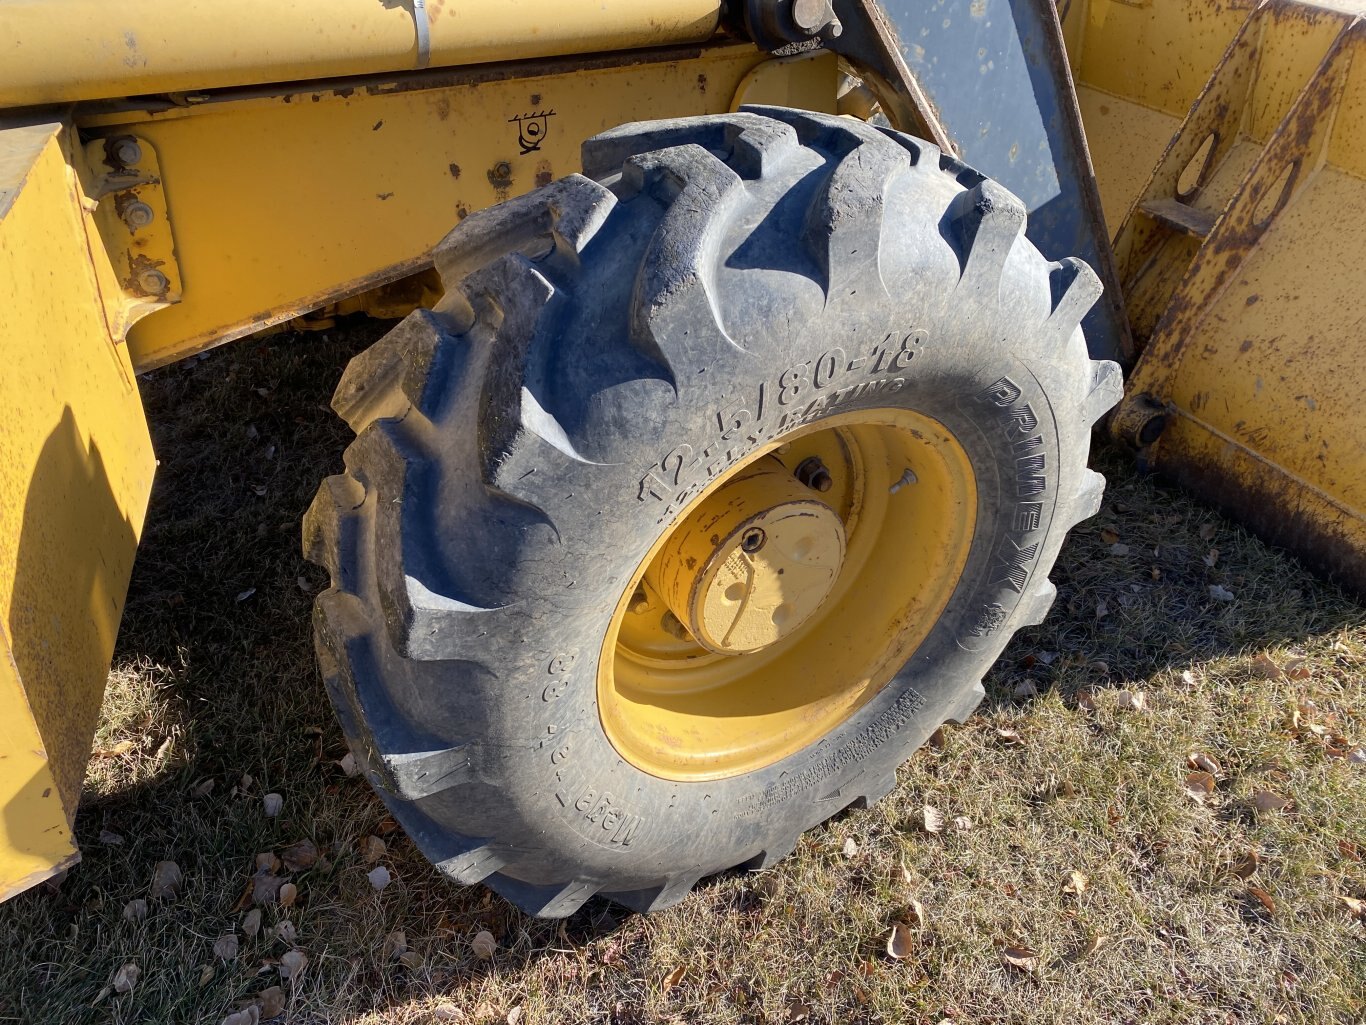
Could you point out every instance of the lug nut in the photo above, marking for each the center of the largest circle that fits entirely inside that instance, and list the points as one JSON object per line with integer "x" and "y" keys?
{"x": 674, "y": 627}
{"x": 125, "y": 151}
{"x": 812, "y": 472}
{"x": 138, "y": 215}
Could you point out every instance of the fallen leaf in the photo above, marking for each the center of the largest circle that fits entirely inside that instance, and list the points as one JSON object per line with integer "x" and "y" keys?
{"x": 1207, "y": 531}
{"x": 396, "y": 943}
{"x": 1132, "y": 700}
{"x": 850, "y": 847}
{"x": 135, "y": 910}
{"x": 447, "y": 1012}
{"x": 289, "y": 893}
{"x": 271, "y": 1001}
{"x": 1093, "y": 943}
{"x": 166, "y": 879}
{"x": 1220, "y": 593}
{"x": 1024, "y": 958}
{"x": 300, "y": 857}
{"x": 1263, "y": 898}
{"x": 267, "y": 862}
{"x": 372, "y": 848}
{"x": 1355, "y": 905}
{"x": 483, "y": 944}
{"x": 933, "y": 818}
{"x": 110, "y": 839}
{"x": 1119, "y": 549}
{"x": 225, "y": 947}
{"x": 411, "y": 960}
{"x": 1199, "y": 786}
{"x": 1102, "y": 610}
{"x": 915, "y": 913}
{"x": 1356, "y": 755}
{"x": 1212, "y": 558}
{"x": 203, "y": 788}
{"x": 271, "y": 805}
{"x": 1265, "y": 800}
{"x": 126, "y": 978}
{"x": 303, "y": 585}
{"x": 348, "y": 764}
{"x": 1076, "y": 882}
{"x": 379, "y": 877}
{"x": 1187, "y": 678}
{"x": 1007, "y": 736}
{"x": 900, "y": 942}
{"x": 265, "y": 887}
{"x": 1267, "y": 668}
{"x": 284, "y": 931}
{"x": 1297, "y": 669}
{"x": 1086, "y": 701}
{"x": 674, "y": 978}
{"x": 1109, "y": 535}
{"x": 121, "y": 748}
{"x": 292, "y": 964}
{"x": 244, "y": 595}
{"x": 1246, "y": 865}
{"x": 937, "y": 739}
{"x": 1024, "y": 690}
{"x": 205, "y": 975}
{"x": 251, "y": 922}
{"x": 247, "y": 1016}
{"x": 515, "y": 1015}
{"x": 1200, "y": 760}
{"x": 962, "y": 823}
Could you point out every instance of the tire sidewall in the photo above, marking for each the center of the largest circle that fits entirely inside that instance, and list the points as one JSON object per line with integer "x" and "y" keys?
{"x": 569, "y": 796}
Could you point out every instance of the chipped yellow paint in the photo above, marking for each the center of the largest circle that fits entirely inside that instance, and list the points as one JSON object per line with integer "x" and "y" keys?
{"x": 75, "y": 469}
{"x": 282, "y": 204}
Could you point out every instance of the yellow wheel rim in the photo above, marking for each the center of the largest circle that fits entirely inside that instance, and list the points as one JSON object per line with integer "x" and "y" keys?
{"x": 786, "y": 595}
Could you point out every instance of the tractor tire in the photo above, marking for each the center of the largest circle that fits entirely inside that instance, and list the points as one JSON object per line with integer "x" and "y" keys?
{"x": 557, "y": 643}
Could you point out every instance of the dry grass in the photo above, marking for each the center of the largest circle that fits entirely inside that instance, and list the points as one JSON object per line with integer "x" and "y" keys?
{"x": 244, "y": 435}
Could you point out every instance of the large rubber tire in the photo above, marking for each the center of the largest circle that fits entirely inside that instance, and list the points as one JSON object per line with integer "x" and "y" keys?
{"x": 498, "y": 496}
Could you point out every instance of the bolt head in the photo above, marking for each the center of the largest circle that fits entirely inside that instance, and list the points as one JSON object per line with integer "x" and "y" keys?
{"x": 138, "y": 215}
{"x": 811, "y": 16}
{"x": 126, "y": 152}
{"x": 153, "y": 282}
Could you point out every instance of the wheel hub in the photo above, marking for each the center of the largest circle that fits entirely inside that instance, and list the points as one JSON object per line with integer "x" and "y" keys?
{"x": 753, "y": 562}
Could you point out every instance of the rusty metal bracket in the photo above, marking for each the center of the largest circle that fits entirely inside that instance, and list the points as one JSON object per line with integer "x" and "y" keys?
{"x": 124, "y": 177}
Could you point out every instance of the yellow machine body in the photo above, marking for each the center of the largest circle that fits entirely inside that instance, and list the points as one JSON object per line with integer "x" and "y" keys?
{"x": 1229, "y": 142}
{"x": 75, "y": 469}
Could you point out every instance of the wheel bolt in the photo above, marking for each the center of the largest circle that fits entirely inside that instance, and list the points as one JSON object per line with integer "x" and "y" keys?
{"x": 814, "y": 475}
{"x": 753, "y": 540}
